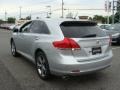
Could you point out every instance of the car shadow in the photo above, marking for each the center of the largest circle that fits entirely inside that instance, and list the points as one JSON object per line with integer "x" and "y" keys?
{"x": 86, "y": 77}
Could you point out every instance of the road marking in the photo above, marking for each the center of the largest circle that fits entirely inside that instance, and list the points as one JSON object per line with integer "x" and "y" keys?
{"x": 115, "y": 48}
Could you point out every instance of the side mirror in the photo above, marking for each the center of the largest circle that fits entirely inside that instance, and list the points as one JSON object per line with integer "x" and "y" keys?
{"x": 15, "y": 30}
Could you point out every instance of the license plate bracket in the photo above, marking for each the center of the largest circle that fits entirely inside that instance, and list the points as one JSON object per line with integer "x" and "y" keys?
{"x": 96, "y": 50}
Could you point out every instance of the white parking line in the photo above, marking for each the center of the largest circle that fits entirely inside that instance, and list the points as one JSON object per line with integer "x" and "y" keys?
{"x": 115, "y": 48}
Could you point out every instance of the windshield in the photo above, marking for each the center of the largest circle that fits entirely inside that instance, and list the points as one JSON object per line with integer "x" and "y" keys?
{"x": 115, "y": 27}
{"x": 107, "y": 27}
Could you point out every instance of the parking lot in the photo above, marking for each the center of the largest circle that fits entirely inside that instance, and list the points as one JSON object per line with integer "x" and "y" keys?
{"x": 20, "y": 74}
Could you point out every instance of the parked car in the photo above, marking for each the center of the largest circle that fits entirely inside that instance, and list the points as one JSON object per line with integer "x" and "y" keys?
{"x": 104, "y": 26}
{"x": 11, "y": 27}
{"x": 114, "y": 31}
{"x": 63, "y": 47}
{"x": 5, "y": 26}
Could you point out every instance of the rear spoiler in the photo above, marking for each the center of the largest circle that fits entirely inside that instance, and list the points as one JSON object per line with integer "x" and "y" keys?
{"x": 78, "y": 23}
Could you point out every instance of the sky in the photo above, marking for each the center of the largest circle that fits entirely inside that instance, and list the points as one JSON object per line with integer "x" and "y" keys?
{"x": 39, "y": 7}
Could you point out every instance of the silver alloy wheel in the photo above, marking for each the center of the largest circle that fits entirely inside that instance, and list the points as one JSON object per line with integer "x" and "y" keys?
{"x": 13, "y": 48}
{"x": 41, "y": 66}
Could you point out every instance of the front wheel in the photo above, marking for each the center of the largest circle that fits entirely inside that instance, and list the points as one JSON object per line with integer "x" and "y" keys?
{"x": 42, "y": 66}
{"x": 13, "y": 49}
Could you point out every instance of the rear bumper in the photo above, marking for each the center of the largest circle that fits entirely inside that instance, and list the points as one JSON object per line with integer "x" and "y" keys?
{"x": 83, "y": 67}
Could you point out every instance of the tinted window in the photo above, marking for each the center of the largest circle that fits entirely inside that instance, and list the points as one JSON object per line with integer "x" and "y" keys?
{"x": 25, "y": 27}
{"x": 82, "y": 30}
{"x": 107, "y": 27}
{"x": 115, "y": 27}
{"x": 39, "y": 27}
{"x": 102, "y": 27}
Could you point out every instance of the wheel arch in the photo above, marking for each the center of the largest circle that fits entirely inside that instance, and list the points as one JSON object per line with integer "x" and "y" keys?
{"x": 11, "y": 40}
{"x": 38, "y": 50}
{"x": 47, "y": 63}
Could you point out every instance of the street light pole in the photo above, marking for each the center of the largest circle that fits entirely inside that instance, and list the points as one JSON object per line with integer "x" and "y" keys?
{"x": 113, "y": 13}
{"x": 62, "y": 9}
{"x": 20, "y": 12}
{"x": 5, "y": 16}
{"x": 49, "y": 12}
{"x": 108, "y": 11}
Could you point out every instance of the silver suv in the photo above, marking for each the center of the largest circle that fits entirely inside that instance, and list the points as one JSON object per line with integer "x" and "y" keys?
{"x": 62, "y": 47}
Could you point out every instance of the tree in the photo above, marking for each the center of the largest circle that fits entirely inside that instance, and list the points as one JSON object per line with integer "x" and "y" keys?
{"x": 99, "y": 18}
{"x": 11, "y": 20}
{"x": 90, "y": 18}
{"x": 28, "y": 17}
{"x": 1, "y": 21}
{"x": 117, "y": 15}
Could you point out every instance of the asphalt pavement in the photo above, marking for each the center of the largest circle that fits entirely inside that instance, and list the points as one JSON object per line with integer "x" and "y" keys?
{"x": 20, "y": 74}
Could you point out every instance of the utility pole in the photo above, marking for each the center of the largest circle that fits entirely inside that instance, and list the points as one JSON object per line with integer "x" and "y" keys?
{"x": 62, "y": 9}
{"x": 49, "y": 12}
{"x": 108, "y": 10}
{"x": 113, "y": 17}
{"x": 5, "y": 16}
{"x": 116, "y": 7}
{"x": 20, "y": 12}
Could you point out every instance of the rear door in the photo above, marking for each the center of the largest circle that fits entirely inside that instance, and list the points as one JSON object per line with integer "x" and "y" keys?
{"x": 92, "y": 40}
{"x": 37, "y": 30}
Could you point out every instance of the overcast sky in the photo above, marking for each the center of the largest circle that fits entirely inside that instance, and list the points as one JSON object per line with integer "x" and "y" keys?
{"x": 38, "y": 7}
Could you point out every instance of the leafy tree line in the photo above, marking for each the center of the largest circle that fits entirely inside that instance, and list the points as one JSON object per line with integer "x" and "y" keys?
{"x": 102, "y": 19}
{"x": 98, "y": 18}
{"x": 9, "y": 20}
{"x": 12, "y": 19}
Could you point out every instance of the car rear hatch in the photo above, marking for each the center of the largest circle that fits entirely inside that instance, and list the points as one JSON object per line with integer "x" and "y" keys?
{"x": 93, "y": 42}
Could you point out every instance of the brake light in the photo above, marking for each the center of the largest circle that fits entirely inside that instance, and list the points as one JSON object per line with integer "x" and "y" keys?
{"x": 67, "y": 43}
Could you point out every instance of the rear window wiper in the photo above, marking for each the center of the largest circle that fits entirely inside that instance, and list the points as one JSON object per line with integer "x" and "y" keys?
{"x": 90, "y": 35}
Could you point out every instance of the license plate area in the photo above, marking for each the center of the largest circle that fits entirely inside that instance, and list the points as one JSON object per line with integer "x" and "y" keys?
{"x": 96, "y": 50}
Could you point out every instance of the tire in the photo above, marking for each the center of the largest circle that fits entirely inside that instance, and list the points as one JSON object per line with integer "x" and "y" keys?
{"x": 42, "y": 65}
{"x": 118, "y": 42}
{"x": 13, "y": 49}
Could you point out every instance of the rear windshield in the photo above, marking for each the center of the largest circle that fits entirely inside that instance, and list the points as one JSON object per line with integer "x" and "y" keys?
{"x": 81, "y": 30}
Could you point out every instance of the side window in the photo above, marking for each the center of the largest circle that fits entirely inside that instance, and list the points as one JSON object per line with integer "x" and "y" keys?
{"x": 39, "y": 27}
{"x": 102, "y": 27}
{"x": 107, "y": 27}
{"x": 25, "y": 27}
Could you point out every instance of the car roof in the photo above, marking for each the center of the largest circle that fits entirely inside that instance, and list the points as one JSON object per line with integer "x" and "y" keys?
{"x": 60, "y": 20}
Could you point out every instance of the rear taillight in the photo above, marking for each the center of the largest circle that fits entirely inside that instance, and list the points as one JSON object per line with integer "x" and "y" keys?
{"x": 67, "y": 43}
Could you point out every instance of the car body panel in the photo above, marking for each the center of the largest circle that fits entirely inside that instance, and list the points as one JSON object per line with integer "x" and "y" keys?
{"x": 64, "y": 61}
